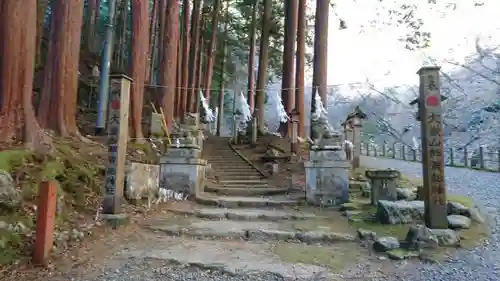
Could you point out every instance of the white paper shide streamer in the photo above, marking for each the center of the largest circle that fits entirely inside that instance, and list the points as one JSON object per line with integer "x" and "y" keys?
{"x": 209, "y": 114}
{"x": 320, "y": 110}
{"x": 243, "y": 110}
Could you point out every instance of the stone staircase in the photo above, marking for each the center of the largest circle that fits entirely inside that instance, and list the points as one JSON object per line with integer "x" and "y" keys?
{"x": 262, "y": 226}
{"x": 239, "y": 183}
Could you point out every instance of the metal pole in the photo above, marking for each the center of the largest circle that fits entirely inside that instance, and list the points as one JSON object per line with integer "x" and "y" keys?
{"x": 105, "y": 69}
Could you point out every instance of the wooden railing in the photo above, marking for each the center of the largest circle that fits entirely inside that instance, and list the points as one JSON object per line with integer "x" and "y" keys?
{"x": 482, "y": 159}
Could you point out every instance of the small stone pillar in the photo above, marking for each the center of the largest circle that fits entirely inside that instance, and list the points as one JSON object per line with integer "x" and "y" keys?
{"x": 294, "y": 147}
{"x": 182, "y": 169}
{"x": 355, "y": 121}
{"x": 254, "y": 129}
{"x": 383, "y": 185}
{"x": 327, "y": 174}
{"x": 117, "y": 146}
{"x": 236, "y": 132}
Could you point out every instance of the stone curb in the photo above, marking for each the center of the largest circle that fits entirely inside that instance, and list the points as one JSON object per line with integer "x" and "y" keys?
{"x": 310, "y": 237}
{"x": 237, "y": 203}
{"x": 241, "y": 217}
{"x": 244, "y": 191}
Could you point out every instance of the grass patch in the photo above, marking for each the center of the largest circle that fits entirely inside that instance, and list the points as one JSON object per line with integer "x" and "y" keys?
{"x": 9, "y": 159}
{"x": 462, "y": 199}
{"x": 334, "y": 257}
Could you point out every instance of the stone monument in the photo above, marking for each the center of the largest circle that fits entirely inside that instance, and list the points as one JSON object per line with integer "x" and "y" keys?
{"x": 355, "y": 121}
{"x": 430, "y": 113}
{"x": 181, "y": 168}
{"x": 327, "y": 175}
{"x": 119, "y": 107}
{"x": 383, "y": 185}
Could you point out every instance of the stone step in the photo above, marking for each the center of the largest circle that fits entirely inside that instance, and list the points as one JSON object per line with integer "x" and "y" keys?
{"x": 232, "y": 257}
{"x": 240, "y": 186}
{"x": 231, "y": 166}
{"x": 242, "y": 181}
{"x": 238, "y": 176}
{"x": 245, "y": 172}
{"x": 229, "y": 162}
{"x": 251, "y": 230}
{"x": 245, "y": 191}
{"x": 249, "y": 214}
{"x": 249, "y": 201}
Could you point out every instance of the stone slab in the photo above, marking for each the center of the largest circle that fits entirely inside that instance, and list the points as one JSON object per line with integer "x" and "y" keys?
{"x": 233, "y": 257}
{"x": 244, "y": 191}
{"x": 239, "y": 201}
{"x": 241, "y": 214}
{"x": 251, "y": 230}
{"x": 141, "y": 181}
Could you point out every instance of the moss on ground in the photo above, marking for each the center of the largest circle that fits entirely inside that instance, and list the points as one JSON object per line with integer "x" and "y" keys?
{"x": 79, "y": 169}
{"x": 462, "y": 199}
{"x": 333, "y": 257}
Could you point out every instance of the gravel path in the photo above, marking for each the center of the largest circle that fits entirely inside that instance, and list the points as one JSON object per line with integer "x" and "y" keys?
{"x": 150, "y": 270}
{"x": 480, "y": 264}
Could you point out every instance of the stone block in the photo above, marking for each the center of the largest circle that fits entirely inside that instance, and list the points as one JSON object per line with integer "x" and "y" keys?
{"x": 400, "y": 212}
{"x": 383, "y": 184}
{"x": 156, "y": 125}
{"x": 184, "y": 175}
{"x": 142, "y": 181}
{"x": 327, "y": 177}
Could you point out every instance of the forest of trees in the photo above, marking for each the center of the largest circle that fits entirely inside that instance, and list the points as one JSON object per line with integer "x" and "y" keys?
{"x": 53, "y": 56}
{"x": 171, "y": 50}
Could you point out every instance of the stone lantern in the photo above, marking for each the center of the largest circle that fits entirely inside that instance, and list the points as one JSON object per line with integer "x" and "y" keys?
{"x": 355, "y": 121}
{"x": 294, "y": 148}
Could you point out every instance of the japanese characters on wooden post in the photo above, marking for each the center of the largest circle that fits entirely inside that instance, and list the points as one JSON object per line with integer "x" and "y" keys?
{"x": 430, "y": 111}
{"x": 117, "y": 143}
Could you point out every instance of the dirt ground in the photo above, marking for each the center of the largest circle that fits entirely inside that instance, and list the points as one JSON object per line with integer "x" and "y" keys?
{"x": 90, "y": 253}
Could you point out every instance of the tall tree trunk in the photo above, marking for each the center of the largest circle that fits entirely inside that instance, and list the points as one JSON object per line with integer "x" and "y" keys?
{"x": 41, "y": 8}
{"x": 140, "y": 44}
{"x": 169, "y": 63}
{"x": 211, "y": 50}
{"x": 61, "y": 74}
{"x": 178, "y": 80}
{"x": 320, "y": 61}
{"x": 121, "y": 41}
{"x": 185, "y": 58}
{"x": 300, "y": 68}
{"x": 153, "y": 42}
{"x": 263, "y": 61}
{"x": 220, "y": 105}
{"x": 193, "y": 57}
{"x": 91, "y": 21}
{"x": 251, "y": 58}
{"x": 287, "y": 86}
{"x": 18, "y": 23}
{"x": 199, "y": 61}
{"x": 161, "y": 18}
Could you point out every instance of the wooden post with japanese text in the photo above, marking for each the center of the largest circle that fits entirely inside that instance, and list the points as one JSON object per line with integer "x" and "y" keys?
{"x": 430, "y": 115}
{"x": 117, "y": 145}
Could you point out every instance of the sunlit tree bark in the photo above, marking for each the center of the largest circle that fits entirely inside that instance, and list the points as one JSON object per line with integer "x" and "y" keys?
{"x": 57, "y": 109}
{"x": 140, "y": 43}
{"x": 17, "y": 59}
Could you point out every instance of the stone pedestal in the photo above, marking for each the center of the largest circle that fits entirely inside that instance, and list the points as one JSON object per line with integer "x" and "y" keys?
{"x": 327, "y": 176}
{"x": 182, "y": 170}
{"x": 156, "y": 125}
{"x": 356, "y": 135}
{"x": 254, "y": 130}
{"x": 383, "y": 185}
